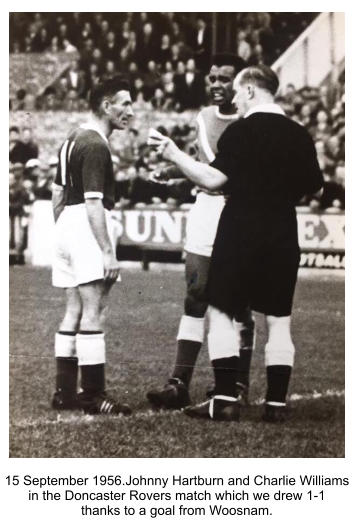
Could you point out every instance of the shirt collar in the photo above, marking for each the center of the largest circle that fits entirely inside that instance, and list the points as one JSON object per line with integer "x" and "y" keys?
{"x": 265, "y": 108}
{"x": 233, "y": 116}
{"x": 92, "y": 126}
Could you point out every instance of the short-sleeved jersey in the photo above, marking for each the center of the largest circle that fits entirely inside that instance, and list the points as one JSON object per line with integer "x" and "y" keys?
{"x": 270, "y": 162}
{"x": 210, "y": 126}
{"x": 85, "y": 168}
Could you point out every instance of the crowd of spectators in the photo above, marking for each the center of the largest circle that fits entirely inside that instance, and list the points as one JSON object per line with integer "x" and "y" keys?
{"x": 166, "y": 70}
{"x": 321, "y": 110}
{"x": 164, "y": 54}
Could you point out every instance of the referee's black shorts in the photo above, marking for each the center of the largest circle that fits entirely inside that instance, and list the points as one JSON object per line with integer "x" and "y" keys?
{"x": 263, "y": 279}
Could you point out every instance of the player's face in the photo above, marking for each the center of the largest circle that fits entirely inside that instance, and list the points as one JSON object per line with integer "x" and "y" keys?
{"x": 221, "y": 80}
{"x": 120, "y": 110}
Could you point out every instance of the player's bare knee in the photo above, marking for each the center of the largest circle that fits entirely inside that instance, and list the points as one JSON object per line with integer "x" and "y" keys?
{"x": 72, "y": 318}
{"x": 91, "y": 319}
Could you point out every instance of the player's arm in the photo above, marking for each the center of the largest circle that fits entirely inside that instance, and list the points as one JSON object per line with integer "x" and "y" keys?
{"x": 95, "y": 162}
{"x": 58, "y": 200}
{"x": 198, "y": 172}
{"x": 97, "y": 220}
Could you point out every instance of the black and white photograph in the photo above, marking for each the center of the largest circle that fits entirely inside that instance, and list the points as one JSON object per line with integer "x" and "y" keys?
{"x": 177, "y": 234}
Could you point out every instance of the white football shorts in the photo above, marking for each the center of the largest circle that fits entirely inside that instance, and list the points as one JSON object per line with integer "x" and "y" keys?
{"x": 77, "y": 257}
{"x": 202, "y": 223}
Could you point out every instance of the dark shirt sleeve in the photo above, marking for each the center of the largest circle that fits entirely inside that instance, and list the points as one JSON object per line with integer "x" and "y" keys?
{"x": 309, "y": 179}
{"x": 227, "y": 157}
{"x": 94, "y": 168}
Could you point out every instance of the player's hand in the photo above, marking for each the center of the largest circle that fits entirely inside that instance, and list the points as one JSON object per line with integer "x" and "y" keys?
{"x": 158, "y": 177}
{"x": 163, "y": 145}
{"x": 111, "y": 267}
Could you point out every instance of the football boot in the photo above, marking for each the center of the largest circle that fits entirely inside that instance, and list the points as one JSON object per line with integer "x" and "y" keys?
{"x": 274, "y": 414}
{"x": 62, "y": 400}
{"x": 102, "y": 404}
{"x": 218, "y": 408}
{"x": 174, "y": 395}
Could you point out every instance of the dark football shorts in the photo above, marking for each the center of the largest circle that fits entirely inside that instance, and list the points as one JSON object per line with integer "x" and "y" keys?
{"x": 263, "y": 279}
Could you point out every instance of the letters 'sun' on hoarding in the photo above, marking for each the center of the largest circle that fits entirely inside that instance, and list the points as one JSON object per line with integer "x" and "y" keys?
{"x": 321, "y": 236}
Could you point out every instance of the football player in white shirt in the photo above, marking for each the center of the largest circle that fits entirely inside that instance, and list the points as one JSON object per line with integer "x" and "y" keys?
{"x": 200, "y": 235}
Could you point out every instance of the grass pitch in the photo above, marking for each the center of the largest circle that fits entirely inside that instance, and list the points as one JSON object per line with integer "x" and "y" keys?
{"x": 144, "y": 313}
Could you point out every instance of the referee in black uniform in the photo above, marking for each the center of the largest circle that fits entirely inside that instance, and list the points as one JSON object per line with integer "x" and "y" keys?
{"x": 265, "y": 163}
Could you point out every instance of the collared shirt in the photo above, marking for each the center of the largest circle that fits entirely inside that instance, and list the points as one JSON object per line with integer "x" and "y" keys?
{"x": 93, "y": 126}
{"x": 265, "y": 108}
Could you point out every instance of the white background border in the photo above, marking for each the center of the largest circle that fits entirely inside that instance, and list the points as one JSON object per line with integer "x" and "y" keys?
{"x": 342, "y": 502}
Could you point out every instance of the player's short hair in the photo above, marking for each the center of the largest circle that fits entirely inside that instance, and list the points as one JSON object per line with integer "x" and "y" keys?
{"x": 227, "y": 59}
{"x": 261, "y": 76}
{"x": 14, "y": 129}
{"x": 107, "y": 89}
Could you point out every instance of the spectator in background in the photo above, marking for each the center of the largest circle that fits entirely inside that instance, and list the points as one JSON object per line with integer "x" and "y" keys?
{"x": 18, "y": 198}
{"x": 62, "y": 35}
{"x": 243, "y": 46}
{"x": 110, "y": 48}
{"x": 75, "y": 79}
{"x": 151, "y": 79}
{"x": 102, "y": 37}
{"x": 124, "y": 34}
{"x": 93, "y": 76}
{"x": 164, "y": 53}
{"x": 132, "y": 71}
{"x": 43, "y": 185}
{"x": 41, "y": 41}
{"x": 18, "y": 104}
{"x": 266, "y": 36}
{"x": 257, "y": 55}
{"x": 333, "y": 192}
{"x": 97, "y": 58}
{"x": 148, "y": 47}
{"x": 31, "y": 147}
{"x": 130, "y": 52}
{"x": 17, "y": 150}
{"x": 109, "y": 70}
{"x": 68, "y": 47}
{"x": 175, "y": 56}
{"x": 177, "y": 33}
{"x": 158, "y": 99}
{"x": 86, "y": 54}
{"x": 333, "y": 154}
{"x": 55, "y": 46}
{"x": 86, "y": 32}
{"x": 32, "y": 170}
{"x": 138, "y": 91}
{"x": 72, "y": 102}
{"x": 305, "y": 116}
{"x": 202, "y": 44}
{"x": 190, "y": 88}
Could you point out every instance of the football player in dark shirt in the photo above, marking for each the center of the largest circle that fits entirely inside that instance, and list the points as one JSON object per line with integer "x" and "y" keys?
{"x": 84, "y": 260}
{"x": 267, "y": 163}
